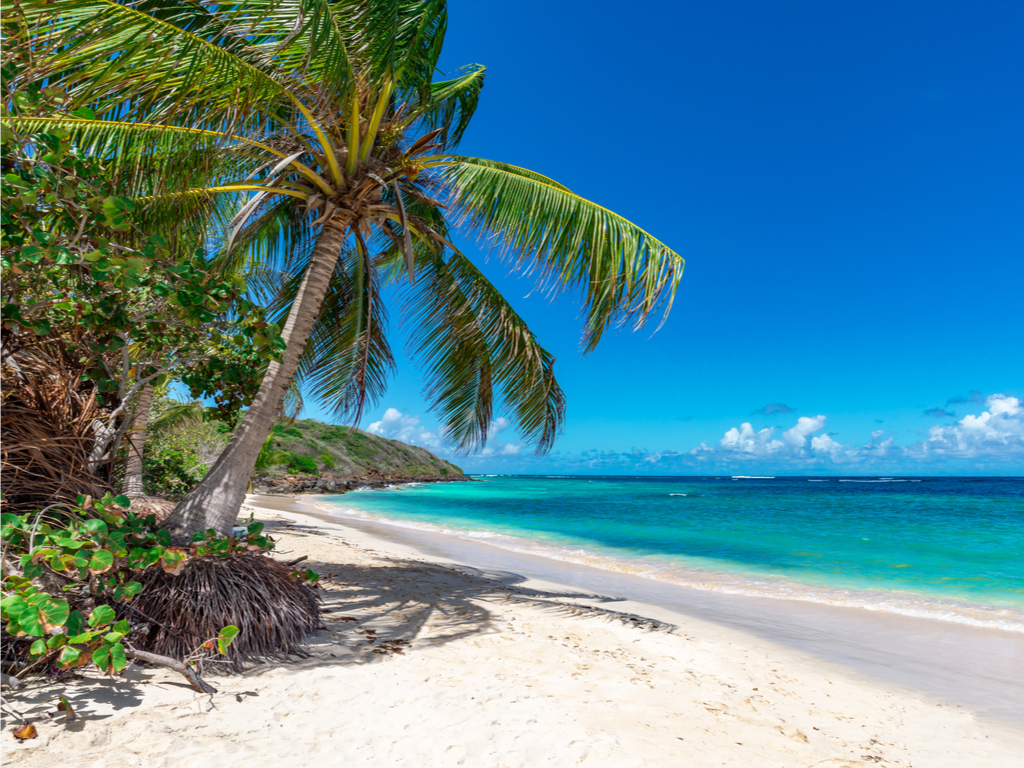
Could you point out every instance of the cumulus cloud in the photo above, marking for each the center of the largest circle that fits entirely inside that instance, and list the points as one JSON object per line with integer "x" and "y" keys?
{"x": 940, "y": 413}
{"x": 407, "y": 428}
{"x": 997, "y": 432}
{"x": 772, "y": 409}
{"x": 744, "y": 442}
{"x": 396, "y": 425}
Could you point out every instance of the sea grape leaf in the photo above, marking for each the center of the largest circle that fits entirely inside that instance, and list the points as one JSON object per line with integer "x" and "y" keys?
{"x": 65, "y": 706}
{"x": 101, "y": 561}
{"x": 226, "y": 637}
{"x": 110, "y": 657}
{"x": 27, "y": 731}
{"x": 102, "y": 614}
{"x": 174, "y": 560}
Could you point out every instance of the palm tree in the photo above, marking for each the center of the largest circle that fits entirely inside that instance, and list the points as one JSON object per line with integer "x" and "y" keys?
{"x": 311, "y": 136}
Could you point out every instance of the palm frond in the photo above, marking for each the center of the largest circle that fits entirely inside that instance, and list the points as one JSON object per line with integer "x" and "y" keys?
{"x": 164, "y": 60}
{"x": 453, "y": 102}
{"x": 171, "y": 415}
{"x": 623, "y": 272}
{"x": 479, "y": 354}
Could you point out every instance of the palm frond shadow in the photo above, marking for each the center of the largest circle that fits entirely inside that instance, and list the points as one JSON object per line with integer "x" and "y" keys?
{"x": 403, "y": 605}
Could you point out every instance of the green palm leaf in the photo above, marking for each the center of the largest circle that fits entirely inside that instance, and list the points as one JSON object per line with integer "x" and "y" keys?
{"x": 168, "y": 61}
{"x": 453, "y": 102}
{"x": 479, "y": 354}
{"x": 624, "y": 272}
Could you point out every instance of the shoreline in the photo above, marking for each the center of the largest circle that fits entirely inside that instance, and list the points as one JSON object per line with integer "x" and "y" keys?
{"x": 962, "y": 665}
{"x": 940, "y": 607}
{"x": 431, "y": 661}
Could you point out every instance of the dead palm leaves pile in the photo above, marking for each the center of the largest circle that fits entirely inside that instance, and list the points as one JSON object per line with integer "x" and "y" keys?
{"x": 47, "y": 428}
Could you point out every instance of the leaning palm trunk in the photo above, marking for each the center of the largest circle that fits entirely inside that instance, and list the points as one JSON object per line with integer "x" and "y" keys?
{"x": 134, "y": 485}
{"x": 215, "y": 502}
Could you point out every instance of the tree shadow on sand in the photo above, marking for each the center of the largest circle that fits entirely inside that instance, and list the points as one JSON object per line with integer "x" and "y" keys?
{"x": 399, "y": 605}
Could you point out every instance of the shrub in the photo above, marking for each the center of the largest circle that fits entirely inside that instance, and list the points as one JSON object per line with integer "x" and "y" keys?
{"x": 293, "y": 432}
{"x": 278, "y": 430}
{"x": 327, "y": 461}
{"x": 303, "y": 464}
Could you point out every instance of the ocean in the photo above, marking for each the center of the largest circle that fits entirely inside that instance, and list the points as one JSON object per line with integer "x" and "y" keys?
{"x": 942, "y": 548}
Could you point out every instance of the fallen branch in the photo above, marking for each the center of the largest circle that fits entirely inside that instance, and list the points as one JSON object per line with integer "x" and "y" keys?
{"x": 14, "y": 682}
{"x": 178, "y": 666}
{"x": 297, "y": 560}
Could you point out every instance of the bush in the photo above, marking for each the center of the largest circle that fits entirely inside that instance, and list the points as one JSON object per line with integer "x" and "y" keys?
{"x": 171, "y": 473}
{"x": 327, "y": 461}
{"x": 293, "y": 432}
{"x": 303, "y": 464}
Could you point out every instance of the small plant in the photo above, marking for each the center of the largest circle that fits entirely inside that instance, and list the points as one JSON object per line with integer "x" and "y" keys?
{"x": 94, "y": 549}
{"x": 206, "y": 543}
{"x": 327, "y": 461}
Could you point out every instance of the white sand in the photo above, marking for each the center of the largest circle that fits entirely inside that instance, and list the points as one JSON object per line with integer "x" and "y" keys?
{"x": 442, "y": 667}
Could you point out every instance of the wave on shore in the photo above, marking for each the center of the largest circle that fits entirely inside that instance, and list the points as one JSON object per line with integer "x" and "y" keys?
{"x": 722, "y": 581}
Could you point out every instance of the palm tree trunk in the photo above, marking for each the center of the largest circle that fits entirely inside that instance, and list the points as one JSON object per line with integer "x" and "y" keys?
{"x": 215, "y": 502}
{"x": 133, "y": 484}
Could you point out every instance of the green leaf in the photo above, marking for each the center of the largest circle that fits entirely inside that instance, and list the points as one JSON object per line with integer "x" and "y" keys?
{"x": 226, "y": 637}
{"x": 102, "y": 614}
{"x": 127, "y": 591}
{"x": 122, "y": 501}
{"x": 110, "y": 658}
{"x": 38, "y": 647}
{"x": 68, "y": 657}
{"x": 75, "y": 623}
{"x": 102, "y": 561}
{"x": 95, "y": 525}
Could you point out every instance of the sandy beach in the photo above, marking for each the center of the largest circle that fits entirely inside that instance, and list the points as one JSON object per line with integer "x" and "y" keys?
{"x": 428, "y": 662}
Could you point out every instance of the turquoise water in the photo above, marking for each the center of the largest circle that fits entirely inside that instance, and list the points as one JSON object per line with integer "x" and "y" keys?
{"x": 948, "y": 548}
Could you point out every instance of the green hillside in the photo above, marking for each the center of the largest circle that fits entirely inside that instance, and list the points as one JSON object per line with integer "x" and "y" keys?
{"x": 309, "y": 449}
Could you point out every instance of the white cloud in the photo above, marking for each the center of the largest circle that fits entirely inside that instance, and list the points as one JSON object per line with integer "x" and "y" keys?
{"x": 395, "y": 425}
{"x": 406, "y": 428}
{"x": 995, "y": 433}
{"x": 823, "y": 445}
{"x": 805, "y": 425}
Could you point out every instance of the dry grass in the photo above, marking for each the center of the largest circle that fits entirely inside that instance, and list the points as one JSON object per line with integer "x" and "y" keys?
{"x": 46, "y": 428}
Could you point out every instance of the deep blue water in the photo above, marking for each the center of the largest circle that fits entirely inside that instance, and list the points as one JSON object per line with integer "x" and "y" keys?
{"x": 949, "y": 548}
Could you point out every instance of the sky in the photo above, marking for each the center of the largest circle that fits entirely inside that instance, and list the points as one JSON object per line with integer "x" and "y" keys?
{"x": 846, "y": 184}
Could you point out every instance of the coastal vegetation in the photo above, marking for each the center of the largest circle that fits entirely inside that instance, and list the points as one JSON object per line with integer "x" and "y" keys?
{"x": 316, "y": 151}
{"x": 223, "y": 199}
{"x": 313, "y": 448}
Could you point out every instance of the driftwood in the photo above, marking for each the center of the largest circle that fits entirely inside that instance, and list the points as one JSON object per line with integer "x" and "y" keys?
{"x": 13, "y": 682}
{"x": 178, "y": 666}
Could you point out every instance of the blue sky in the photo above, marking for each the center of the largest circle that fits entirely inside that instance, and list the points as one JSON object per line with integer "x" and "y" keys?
{"x": 845, "y": 183}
